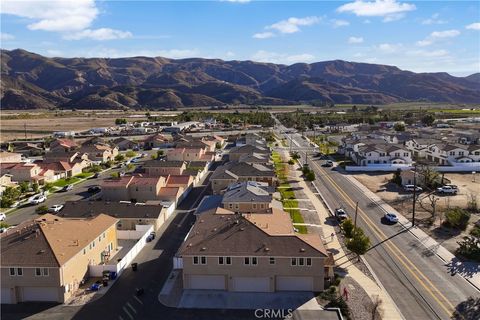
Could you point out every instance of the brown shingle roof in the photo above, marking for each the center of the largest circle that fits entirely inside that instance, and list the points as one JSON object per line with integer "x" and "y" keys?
{"x": 86, "y": 209}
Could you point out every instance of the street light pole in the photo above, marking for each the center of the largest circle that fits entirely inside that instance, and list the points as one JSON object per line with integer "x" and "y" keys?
{"x": 355, "y": 219}
{"x": 414, "y": 193}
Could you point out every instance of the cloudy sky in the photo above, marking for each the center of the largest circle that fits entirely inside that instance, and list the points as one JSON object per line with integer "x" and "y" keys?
{"x": 421, "y": 36}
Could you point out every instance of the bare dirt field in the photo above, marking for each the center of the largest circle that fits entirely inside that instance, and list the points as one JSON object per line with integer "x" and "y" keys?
{"x": 394, "y": 195}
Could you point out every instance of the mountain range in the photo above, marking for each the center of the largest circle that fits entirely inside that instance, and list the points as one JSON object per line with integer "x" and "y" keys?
{"x": 30, "y": 81}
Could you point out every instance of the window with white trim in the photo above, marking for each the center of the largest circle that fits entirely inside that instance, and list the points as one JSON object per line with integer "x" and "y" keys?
{"x": 293, "y": 261}
{"x": 254, "y": 206}
{"x": 272, "y": 260}
{"x": 195, "y": 260}
{"x": 221, "y": 260}
{"x": 228, "y": 260}
{"x": 309, "y": 261}
{"x": 301, "y": 261}
{"x": 203, "y": 260}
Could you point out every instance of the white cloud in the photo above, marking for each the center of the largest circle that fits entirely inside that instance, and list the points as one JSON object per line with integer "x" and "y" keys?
{"x": 473, "y": 26}
{"x": 98, "y": 34}
{"x": 54, "y": 53}
{"x": 355, "y": 40}
{"x": 6, "y": 36}
{"x": 390, "y": 10}
{"x": 230, "y": 54}
{"x": 434, "y": 19}
{"x": 292, "y": 25}
{"x": 428, "y": 53}
{"x": 71, "y": 18}
{"x": 389, "y": 47}
{"x": 53, "y": 15}
{"x": 263, "y": 35}
{"x": 102, "y": 52}
{"x": 339, "y": 23}
{"x": 437, "y": 35}
{"x": 274, "y": 57}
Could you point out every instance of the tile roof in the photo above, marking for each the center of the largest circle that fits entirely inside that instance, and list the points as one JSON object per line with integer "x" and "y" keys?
{"x": 164, "y": 164}
{"x": 247, "y": 192}
{"x": 178, "y": 179}
{"x": 250, "y": 149}
{"x": 117, "y": 182}
{"x": 145, "y": 181}
{"x": 235, "y": 235}
{"x": 168, "y": 191}
{"x": 233, "y": 170}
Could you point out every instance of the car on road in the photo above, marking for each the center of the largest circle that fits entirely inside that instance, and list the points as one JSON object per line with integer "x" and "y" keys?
{"x": 447, "y": 190}
{"x": 340, "y": 214}
{"x": 55, "y": 208}
{"x": 2, "y": 216}
{"x": 411, "y": 188}
{"x": 94, "y": 189}
{"x": 39, "y": 198}
{"x": 391, "y": 217}
{"x": 67, "y": 187}
{"x": 328, "y": 164}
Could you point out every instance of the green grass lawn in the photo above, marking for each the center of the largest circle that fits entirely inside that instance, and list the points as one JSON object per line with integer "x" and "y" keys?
{"x": 84, "y": 175}
{"x": 288, "y": 196}
{"x": 63, "y": 182}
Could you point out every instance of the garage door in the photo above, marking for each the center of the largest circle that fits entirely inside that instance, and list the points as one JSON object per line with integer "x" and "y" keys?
{"x": 39, "y": 294}
{"x": 251, "y": 284}
{"x": 207, "y": 282}
{"x": 6, "y": 295}
{"x": 294, "y": 284}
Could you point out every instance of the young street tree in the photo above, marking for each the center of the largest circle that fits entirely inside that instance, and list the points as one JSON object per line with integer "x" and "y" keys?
{"x": 359, "y": 243}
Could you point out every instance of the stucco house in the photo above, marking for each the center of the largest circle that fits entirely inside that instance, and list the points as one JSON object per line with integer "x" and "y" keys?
{"x": 233, "y": 172}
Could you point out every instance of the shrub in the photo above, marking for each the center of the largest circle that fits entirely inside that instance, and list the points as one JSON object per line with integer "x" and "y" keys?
{"x": 310, "y": 176}
{"x": 119, "y": 157}
{"x": 359, "y": 243}
{"x": 24, "y": 186}
{"x": 9, "y": 196}
{"x": 340, "y": 303}
{"x": 475, "y": 231}
{"x": 457, "y": 218}
{"x": 115, "y": 175}
{"x": 348, "y": 227}
{"x": 130, "y": 154}
{"x": 397, "y": 179}
{"x": 291, "y": 162}
{"x": 469, "y": 247}
{"x": 41, "y": 209}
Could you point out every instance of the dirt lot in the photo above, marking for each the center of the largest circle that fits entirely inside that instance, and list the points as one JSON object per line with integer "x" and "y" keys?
{"x": 402, "y": 202}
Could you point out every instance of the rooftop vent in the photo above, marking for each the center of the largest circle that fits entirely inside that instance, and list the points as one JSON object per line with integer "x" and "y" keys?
{"x": 267, "y": 249}
{"x": 302, "y": 249}
{"x": 203, "y": 249}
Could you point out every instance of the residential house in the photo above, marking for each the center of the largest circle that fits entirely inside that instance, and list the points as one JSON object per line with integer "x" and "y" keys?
{"x": 160, "y": 168}
{"x": 248, "y": 197}
{"x": 158, "y": 141}
{"x": 252, "y": 253}
{"x": 386, "y": 153}
{"x": 190, "y": 154}
{"x": 233, "y": 172}
{"x": 125, "y": 144}
{"x": 47, "y": 259}
{"x": 99, "y": 152}
{"x": 9, "y": 157}
{"x": 237, "y": 152}
{"x": 77, "y": 161}
{"x": 29, "y": 149}
{"x": 21, "y": 171}
{"x": 137, "y": 188}
{"x": 256, "y": 158}
{"x": 253, "y": 139}
{"x": 128, "y": 214}
{"x": 6, "y": 182}
{"x": 63, "y": 145}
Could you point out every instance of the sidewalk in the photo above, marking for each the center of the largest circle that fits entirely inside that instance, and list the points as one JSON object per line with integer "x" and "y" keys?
{"x": 470, "y": 271}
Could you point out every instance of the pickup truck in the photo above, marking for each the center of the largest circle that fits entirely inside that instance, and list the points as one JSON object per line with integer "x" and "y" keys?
{"x": 447, "y": 190}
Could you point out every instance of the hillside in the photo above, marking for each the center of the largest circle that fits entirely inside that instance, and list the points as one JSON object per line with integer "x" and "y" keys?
{"x": 29, "y": 80}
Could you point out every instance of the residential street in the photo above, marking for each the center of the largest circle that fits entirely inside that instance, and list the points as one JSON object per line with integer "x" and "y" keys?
{"x": 419, "y": 282}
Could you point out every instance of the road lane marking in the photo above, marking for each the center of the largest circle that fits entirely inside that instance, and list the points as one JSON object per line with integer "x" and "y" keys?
{"x": 139, "y": 301}
{"x": 128, "y": 313}
{"x": 131, "y": 307}
{"x": 392, "y": 247}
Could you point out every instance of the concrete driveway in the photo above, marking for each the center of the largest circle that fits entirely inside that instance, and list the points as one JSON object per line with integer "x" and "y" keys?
{"x": 214, "y": 299}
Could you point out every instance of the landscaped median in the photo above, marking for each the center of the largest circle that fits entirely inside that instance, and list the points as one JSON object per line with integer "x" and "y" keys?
{"x": 290, "y": 204}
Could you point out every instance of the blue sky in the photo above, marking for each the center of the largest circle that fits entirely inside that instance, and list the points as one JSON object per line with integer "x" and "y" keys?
{"x": 421, "y": 36}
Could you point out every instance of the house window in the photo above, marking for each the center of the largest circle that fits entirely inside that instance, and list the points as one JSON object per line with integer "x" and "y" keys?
{"x": 460, "y": 153}
{"x": 309, "y": 261}
{"x": 220, "y": 260}
{"x": 195, "y": 260}
{"x": 230, "y": 205}
{"x": 203, "y": 260}
{"x": 12, "y": 271}
{"x": 228, "y": 260}
{"x": 237, "y": 206}
{"x": 246, "y": 261}
{"x": 262, "y": 205}
{"x": 254, "y": 206}
{"x": 99, "y": 238}
{"x": 293, "y": 262}
{"x": 452, "y": 153}
{"x": 38, "y": 272}
{"x": 84, "y": 251}
{"x": 19, "y": 271}
{"x": 405, "y": 154}
{"x": 301, "y": 261}
{"x": 272, "y": 260}
{"x": 254, "y": 260}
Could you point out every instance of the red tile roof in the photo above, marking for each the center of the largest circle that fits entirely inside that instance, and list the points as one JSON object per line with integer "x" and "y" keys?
{"x": 168, "y": 191}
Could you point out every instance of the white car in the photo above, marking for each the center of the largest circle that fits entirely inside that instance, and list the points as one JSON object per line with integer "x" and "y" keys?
{"x": 340, "y": 214}
{"x": 39, "y": 198}
{"x": 411, "y": 188}
{"x": 447, "y": 190}
{"x": 2, "y": 216}
{"x": 391, "y": 217}
{"x": 55, "y": 208}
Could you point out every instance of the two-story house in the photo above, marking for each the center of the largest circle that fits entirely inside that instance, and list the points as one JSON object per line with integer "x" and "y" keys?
{"x": 48, "y": 258}
{"x": 237, "y": 152}
{"x": 233, "y": 172}
{"x": 159, "y": 168}
{"x": 386, "y": 153}
{"x": 248, "y": 197}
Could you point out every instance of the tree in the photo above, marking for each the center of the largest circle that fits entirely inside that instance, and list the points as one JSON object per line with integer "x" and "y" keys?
{"x": 120, "y": 121}
{"x": 457, "y": 218}
{"x": 354, "y": 108}
{"x": 160, "y": 153}
{"x": 469, "y": 247}
{"x": 428, "y": 119}
{"x": 310, "y": 176}
{"x": 397, "y": 178}
{"x": 295, "y": 156}
{"x": 347, "y": 226}
{"x": 24, "y": 185}
{"x": 119, "y": 157}
{"x": 291, "y": 162}
{"x": 399, "y": 126}
{"x": 9, "y": 196}
{"x": 467, "y": 310}
{"x": 431, "y": 207}
{"x": 115, "y": 175}
{"x": 359, "y": 243}
{"x": 35, "y": 187}
{"x": 130, "y": 154}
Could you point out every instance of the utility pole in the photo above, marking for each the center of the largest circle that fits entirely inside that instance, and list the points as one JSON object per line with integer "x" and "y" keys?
{"x": 414, "y": 193}
{"x": 25, "y": 129}
{"x": 355, "y": 219}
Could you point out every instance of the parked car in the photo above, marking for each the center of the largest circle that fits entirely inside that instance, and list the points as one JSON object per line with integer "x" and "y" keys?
{"x": 94, "y": 189}
{"x": 121, "y": 174}
{"x": 328, "y": 164}
{"x": 447, "y": 190}
{"x": 66, "y": 188}
{"x": 391, "y": 217}
{"x": 340, "y": 214}
{"x": 55, "y": 208}
{"x": 39, "y": 198}
{"x": 2, "y": 216}
{"x": 411, "y": 188}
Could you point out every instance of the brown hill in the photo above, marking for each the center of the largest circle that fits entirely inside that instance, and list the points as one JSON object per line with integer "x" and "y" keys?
{"x": 29, "y": 80}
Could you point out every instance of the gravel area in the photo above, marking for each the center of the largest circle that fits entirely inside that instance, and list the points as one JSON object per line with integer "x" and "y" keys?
{"x": 358, "y": 301}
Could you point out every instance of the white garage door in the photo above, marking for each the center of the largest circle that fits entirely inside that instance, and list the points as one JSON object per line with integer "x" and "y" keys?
{"x": 294, "y": 284}
{"x": 6, "y": 295}
{"x": 39, "y": 294}
{"x": 251, "y": 284}
{"x": 207, "y": 282}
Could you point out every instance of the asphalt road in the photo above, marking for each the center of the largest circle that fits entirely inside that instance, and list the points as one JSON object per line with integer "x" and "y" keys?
{"x": 420, "y": 283}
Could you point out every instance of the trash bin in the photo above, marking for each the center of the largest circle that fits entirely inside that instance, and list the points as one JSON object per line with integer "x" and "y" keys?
{"x": 105, "y": 282}
{"x": 113, "y": 275}
{"x": 134, "y": 266}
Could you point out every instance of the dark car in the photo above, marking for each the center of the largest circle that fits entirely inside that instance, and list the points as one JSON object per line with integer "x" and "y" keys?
{"x": 68, "y": 187}
{"x": 94, "y": 189}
